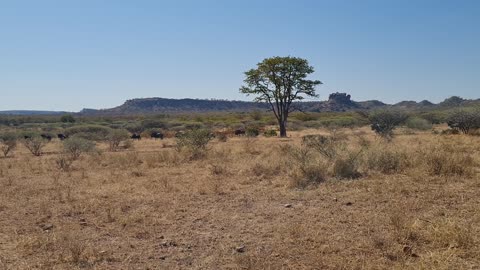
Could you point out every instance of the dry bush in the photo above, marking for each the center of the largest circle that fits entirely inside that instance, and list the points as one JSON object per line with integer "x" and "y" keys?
{"x": 444, "y": 161}
{"x": 250, "y": 145}
{"x": 164, "y": 157}
{"x": 307, "y": 170}
{"x": 386, "y": 160}
{"x": 35, "y": 145}
{"x": 75, "y": 147}
{"x": 222, "y": 137}
{"x": 8, "y": 143}
{"x": 328, "y": 146}
{"x": 115, "y": 138}
{"x": 64, "y": 162}
{"x": 347, "y": 167}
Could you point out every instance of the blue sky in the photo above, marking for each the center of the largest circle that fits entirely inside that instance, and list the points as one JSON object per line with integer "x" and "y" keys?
{"x": 68, "y": 55}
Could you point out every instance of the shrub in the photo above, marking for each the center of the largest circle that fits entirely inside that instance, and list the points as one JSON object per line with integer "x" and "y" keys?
{"x": 76, "y": 146}
{"x": 256, "y": 115}
{"x": 222, "y": 137}
{"x": 116, "y": 137}
{"x": 385, "y": 160}
{"x": 346, "y": 167}
{"x": 8, "y": 143}
{"x": 384, "y": 122}
{"x": 64, "y": 162}
{"x": 89, "y": 132}
{"x": 195, "y": 141}
{"x": 270, "y": 133}
{"x": 252, "y": 132}
{"x": 153, "y": 123}
{"x": 445, "y": 162}
{"x": 326, "y": 146}
{"x": 418, "y": 124}
{"x": 35, "y": 145}
{"x": 464, "y": 120}
{"x": 307, "y": 170}
{"x": 67, "y": 118}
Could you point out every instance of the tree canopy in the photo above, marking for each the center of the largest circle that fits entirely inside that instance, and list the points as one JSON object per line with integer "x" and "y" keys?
{"x": 279, "y": 81}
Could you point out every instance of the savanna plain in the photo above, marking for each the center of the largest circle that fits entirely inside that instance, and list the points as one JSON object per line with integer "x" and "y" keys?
{"x": 337, "y": 199}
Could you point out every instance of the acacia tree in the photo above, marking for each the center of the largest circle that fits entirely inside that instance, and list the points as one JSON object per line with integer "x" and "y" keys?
{"x": 279, "y": 81}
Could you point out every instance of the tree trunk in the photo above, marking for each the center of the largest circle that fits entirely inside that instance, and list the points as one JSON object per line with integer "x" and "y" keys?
{"x": 283, "y": 128}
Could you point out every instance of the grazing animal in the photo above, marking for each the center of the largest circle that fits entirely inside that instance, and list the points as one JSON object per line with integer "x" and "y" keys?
{"x": 156, "y": 135}
{"x": 46, "y": 137}
{"x": 62, "y": 136}
{"x": 26, "y": 137}
{"x": 136, "y": 136}
{"x": 239, "y": 132}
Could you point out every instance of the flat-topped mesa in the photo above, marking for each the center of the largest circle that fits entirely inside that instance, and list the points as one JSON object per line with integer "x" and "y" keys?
{"x": 341, "y": 98}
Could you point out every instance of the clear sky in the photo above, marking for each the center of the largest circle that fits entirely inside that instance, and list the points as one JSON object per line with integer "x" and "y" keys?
{"x": 69, "y": 55}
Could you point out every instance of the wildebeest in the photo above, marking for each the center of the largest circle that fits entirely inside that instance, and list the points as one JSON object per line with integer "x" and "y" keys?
{"x": 239, "y": 132}
{"x": 26, "y": 137}
{"x": 156, "y": 135}
{"x": 62, "y": 136}
{"x": 136, "y": 136}
{"x": 46, "y": 137}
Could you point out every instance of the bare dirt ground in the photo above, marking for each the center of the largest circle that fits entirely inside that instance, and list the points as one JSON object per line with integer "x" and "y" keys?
{"x": 236, "y": 208}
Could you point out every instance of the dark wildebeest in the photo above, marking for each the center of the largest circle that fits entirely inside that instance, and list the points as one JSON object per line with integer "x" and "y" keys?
{"x": 26, "y": 137}
{"x": 46, "y": 137}
{"x": 62, "y": 136}
{"x": 156, "y": 135}
{"x": 239, "y": 132}
{"x": 136, "y": 136}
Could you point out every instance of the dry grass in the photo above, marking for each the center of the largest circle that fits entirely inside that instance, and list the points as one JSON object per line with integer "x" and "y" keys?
{"x": 246, "y": 204}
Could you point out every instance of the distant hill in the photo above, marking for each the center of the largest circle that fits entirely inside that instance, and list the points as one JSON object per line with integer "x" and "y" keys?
{"x": 31, "y": 112}
{"x": 337, "y": 102}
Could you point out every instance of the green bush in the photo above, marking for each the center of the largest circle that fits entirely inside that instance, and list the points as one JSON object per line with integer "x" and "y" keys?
{"x": 418, "y": 123}
{"x": 464, "y": 120}
{"x": 89, "y": 132}
{"x": 76, "y": 146}
{"x": 67, "y": 118}
{"x": 252, "y": 131}
{"x": 385, "y": 121}
{"x": 270, "y": 133}
{"x": 194, "y": 141}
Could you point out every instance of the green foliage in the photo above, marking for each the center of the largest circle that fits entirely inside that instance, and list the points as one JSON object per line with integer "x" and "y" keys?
{"x": 464, "y": 120}
{"x": 252, "y": 132}
{"x": 270, "y": 133}
{"x": 8, "y": 143}
{"x": 89, "y": 132}
{"x": 76, "y": 146}
{"x": 67, "y": 118}
{"x": 116, "y": 137}
{"x": 385, "y": 121}
{"x": 418, "y": 123}
{"x": 153, "y": 123}
{"x": 279, "y": 81}
{"x": 194, "y": 141}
